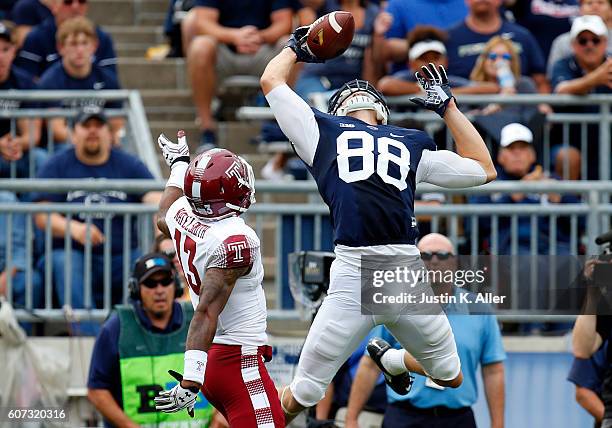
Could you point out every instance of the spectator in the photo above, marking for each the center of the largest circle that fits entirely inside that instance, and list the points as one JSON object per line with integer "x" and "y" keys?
{"x": 562, "y": 45}
{"x": 225, "y": 38}
{"x": 16, "y": 150}
{"x": 27, "y": 14}
{"x": 405, "y": 15}
{"x": 588, "y": 376}
{"x": 467, "y": 40}
{"x": 77, "y": 42}
{"x": 165, "y": 246}
{"x": 426, "y": 44}
{"x": 17, "y": 147}
{"x": 359, "y": 61}
{"x": 567, "y": 163}
{"x": 545, "y": 19}
{"x": 499, "y": 64}
{"x": 588, "y": 70}
{"x": 39, "y": 50}
{"x": 92, "y": 156}
{"x": 478, "y": 342}
{"x": 137, "y": 346}
{"x": 517, "y": 161}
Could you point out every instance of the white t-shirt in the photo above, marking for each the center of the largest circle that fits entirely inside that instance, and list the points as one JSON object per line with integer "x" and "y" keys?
{"x": 227, "y": 243}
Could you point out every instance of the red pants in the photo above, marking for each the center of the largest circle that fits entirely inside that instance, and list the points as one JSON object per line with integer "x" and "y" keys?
{"x": 239, "y": 386}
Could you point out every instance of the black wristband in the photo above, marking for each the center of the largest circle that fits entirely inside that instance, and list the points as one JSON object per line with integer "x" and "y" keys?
{"x": 185, "y": 159}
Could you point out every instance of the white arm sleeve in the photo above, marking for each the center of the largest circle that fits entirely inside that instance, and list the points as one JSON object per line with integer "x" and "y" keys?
{"x": 296, "y": 120}
{"x": 447, "y": 169}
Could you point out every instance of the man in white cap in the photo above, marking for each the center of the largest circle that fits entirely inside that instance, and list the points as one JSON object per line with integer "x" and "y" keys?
{"x": 517, "y": 160}
{"x": 588, "y": 70}
{"x": 562, "y": 45}
{"x": 426, "y": 44}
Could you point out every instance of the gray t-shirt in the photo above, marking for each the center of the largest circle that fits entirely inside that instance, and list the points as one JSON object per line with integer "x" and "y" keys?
{"x": 562, "y": 48}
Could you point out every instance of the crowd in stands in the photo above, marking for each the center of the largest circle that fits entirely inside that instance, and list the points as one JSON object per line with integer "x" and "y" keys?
{"x": 495, "y": 47}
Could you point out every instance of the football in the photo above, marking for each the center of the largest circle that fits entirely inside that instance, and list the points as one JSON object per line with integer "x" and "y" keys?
{"x": 331, "y": 34}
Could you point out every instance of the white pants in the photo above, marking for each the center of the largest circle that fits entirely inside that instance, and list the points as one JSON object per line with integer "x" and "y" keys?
{"x": 339, "y": 327}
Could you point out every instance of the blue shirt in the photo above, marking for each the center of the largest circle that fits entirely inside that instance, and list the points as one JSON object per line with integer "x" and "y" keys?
{"x": 464, "y": 46}
{"x": 120, "y": 165}
{"x": 29, "y": 12}
{"x": 568, "y": 69}
{"x": 100, "y": 78}
{"x": 349, "y": 65}
{"x": 546, "y": 19}
{"x": 367, "y": 177}
{"x": 478, "y": 341}
{"x": 39, "y": 49}
{"x": 104, "y": 371}
{"x": 408, "y": 14}
{"x": 589, "y": 373}
{"x": 346, "y": 374}
{"x": 238, "y": 13}
{"x": 19, "y": 80}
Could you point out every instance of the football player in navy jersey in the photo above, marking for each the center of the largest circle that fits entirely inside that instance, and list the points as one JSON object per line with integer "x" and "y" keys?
{"x": 367, "y": 171}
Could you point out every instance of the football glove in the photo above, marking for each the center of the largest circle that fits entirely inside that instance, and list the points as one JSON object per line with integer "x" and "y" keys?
{"x": 297, "y": 43}
{"x": 177, "y": 398}
{"x": 174, "y": 152}
{"x": 434, "y": 82}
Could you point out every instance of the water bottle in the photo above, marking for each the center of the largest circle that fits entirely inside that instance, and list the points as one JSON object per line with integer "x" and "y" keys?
{"x": 505, "y": 77}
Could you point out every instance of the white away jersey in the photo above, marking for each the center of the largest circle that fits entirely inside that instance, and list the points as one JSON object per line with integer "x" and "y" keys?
{"x": 227, "y": 243}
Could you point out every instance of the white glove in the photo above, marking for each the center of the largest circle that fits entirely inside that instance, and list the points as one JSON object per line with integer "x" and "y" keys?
{"x": 177, "y": 398}
{"x": 174, "y": 152}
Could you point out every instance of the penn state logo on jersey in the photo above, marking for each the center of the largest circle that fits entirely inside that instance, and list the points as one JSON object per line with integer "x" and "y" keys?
{"x": 367, "y": 176}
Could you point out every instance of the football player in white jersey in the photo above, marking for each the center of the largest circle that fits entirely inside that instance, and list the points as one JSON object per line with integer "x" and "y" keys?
{"x": 366, "y": 171}
{"x": 220, "y": 257}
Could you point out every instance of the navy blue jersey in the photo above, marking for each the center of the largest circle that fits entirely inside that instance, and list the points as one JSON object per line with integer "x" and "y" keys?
{"x": 29, "y": 12}
{"x": 100, "y": 78}
{"x": 19, "y": 80}
{"x": 367, "y": 176}
{"x": 39, "y": 49}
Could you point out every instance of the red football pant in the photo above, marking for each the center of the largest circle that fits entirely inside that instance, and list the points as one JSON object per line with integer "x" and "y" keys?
{"x": 239, "y": 386}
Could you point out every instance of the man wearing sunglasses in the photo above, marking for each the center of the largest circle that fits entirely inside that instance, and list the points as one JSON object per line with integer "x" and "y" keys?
{"x": 39, "y": 49}
{"x": 588, "y": 70}
{"x": 562, "y": 45}
{"x": 136, "y": 347}
{"x": 425, "y": 403}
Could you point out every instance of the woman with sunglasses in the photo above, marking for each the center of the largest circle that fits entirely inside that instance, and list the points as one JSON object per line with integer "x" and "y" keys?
{"x": 500, "y": 63}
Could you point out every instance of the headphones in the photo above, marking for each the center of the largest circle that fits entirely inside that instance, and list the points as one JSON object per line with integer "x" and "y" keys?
{"x": 134, "y": 285}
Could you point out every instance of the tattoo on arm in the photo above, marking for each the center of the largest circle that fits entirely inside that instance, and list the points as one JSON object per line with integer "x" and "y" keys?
{"x": 215, "y": 291}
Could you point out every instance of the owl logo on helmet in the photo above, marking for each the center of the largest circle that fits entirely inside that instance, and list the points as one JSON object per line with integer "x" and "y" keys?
{"x": 219, "y": 184}
{"x": 358, "y": 95}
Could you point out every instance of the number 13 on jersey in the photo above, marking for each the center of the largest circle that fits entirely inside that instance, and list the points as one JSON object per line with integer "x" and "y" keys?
{"x": 366, "y": 153}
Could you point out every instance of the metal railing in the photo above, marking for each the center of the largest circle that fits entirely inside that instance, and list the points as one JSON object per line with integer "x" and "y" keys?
{"x": 572, "y": 125}
{"x": 137, "y": 133}
{"x": 295, "y": 226}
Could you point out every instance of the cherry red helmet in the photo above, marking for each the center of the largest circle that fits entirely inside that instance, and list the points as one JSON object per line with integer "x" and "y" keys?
{"x": 219, "y": 184}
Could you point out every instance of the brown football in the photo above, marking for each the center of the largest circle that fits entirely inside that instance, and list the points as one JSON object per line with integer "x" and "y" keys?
{"x": 331, "y": 34}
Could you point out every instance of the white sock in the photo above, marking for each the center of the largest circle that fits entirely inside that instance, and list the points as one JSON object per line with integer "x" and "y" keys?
{"x": 393, "y": 361}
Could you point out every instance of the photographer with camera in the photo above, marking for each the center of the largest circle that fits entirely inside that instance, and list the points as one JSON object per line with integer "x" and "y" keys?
{"x": 594, "y": 327}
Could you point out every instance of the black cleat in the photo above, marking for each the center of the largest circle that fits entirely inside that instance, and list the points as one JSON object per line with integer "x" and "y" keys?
{"x": 400, "y": 383}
